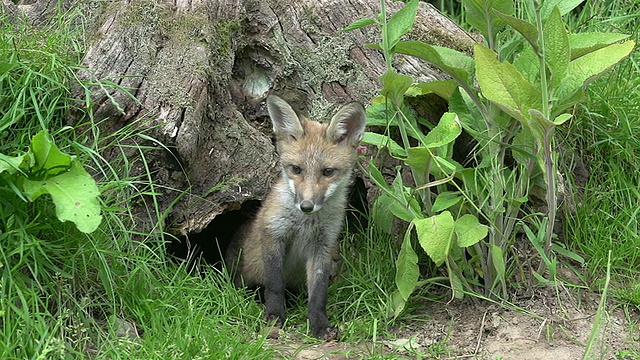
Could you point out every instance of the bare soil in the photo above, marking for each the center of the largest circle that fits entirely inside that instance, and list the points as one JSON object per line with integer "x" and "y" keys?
{"x": 547, "y": 325}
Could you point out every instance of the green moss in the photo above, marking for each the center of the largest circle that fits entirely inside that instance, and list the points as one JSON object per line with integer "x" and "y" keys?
{"x": 224, "y": 31}
{"x": 324, "y": 62}
{"x": 329, "y": 62}
{"x": 177, "y": 46}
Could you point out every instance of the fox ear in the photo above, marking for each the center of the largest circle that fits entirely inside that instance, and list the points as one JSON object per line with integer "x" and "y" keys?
{"x": 285, "y": 121}
{"x": 348, "y": 124}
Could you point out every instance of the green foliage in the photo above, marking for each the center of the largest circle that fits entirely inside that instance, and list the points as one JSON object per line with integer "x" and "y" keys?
{"x": 44, "y": 169}
{"x": 67, "y": 289}
{"x": 36, "y": 67}
{"x": 604, "y": 134}
{"x": 361, "y": 301}
{"x": 512, "y": 111}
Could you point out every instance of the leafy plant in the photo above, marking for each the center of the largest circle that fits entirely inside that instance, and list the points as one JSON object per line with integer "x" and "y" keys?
{"x": 44, "y": 169}
{"x": 510, "y": 103}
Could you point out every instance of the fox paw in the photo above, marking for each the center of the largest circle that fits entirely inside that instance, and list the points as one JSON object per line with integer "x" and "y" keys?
{"x": 275, "y": 320}
{"x": 327, "y": 333}
{"x": 274, "y": 325}
{"x": 273, "y": 332}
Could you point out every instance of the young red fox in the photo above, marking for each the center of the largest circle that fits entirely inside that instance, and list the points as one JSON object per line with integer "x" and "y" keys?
{"x": 294, "y": 235}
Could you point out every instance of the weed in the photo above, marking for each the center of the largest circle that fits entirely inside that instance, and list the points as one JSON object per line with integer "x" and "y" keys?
{"x": 511, "y": 107}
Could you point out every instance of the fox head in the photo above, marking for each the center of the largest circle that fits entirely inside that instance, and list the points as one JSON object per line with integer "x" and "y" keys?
{"x": 317, "y": 159}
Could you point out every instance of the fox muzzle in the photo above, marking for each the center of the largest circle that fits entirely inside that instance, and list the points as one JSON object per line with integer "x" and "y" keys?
{"x": 307, "y": 206}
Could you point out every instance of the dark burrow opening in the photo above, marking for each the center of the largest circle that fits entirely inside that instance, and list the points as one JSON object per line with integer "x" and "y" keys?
{"x": 211, "y": 243}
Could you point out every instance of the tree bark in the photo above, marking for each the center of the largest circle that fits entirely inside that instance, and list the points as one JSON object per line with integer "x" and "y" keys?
{"x": 200, "y": 70}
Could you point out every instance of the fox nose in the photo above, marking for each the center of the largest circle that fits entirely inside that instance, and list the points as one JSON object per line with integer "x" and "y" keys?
{"x": 306, "y": 206}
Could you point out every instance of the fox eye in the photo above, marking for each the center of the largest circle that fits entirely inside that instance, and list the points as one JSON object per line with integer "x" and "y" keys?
{"x": 328, "y": 172}
{"x": 295, "y": 169}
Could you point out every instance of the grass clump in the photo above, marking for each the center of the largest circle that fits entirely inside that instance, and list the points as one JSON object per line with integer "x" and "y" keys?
{"x": 112, "y": 293}
{"x": 37, "y": 66}
{"x": 605, "y": 133}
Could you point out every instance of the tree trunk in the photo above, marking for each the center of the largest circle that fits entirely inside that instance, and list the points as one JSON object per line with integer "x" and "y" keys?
{"x": 200, "y": 70}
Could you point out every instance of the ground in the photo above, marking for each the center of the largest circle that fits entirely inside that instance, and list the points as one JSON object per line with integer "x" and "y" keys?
{"x": 548, "y": 325}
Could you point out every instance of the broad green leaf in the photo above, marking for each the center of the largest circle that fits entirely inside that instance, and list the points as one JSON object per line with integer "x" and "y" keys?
{"x": 376, "y": 176}
{"x": 584, "y": 43}
{"x": 568, "y": 253}
{"x": 587, "y": 67}
{"x": 11, "y": 164}
{"x": 445, "y": 200}
{"x": 556, "y": 46}
{"x": 401, "y": 23}
{"x": 472, "y": 183}
{"x": 435, "y": 235}
{"x": 381, "y": 115}
{"x": 384, "y": 114}
{"x": 442, "y": 88}
{"x": 539, "y": 125}
{"x": 456, "y": 286}
{"x": 564, "y": 6}
{"x": 74, "y": 194}
{"x": 562, "y": 103}
{"x": 407, "y": 272}
{"x": 525, "y": 28}
{"x": 542, "y": 280}
{"x": 444, "y": 166}
{"x": 497, "y": 257}
{"x": 469, "y": 230}
{"x": 468, "y": 113}
{"x": 453, "y": 62}
{"x": 47, "y": 155}
{"x": 397, "y": 303}
{"x": 504, "y": 85}
{"x": 395, "y": 85}
{"x": 480, "y": 14}
{"x": 5, "y": 67}
{"x": 537, "y": 240}
{"x": 556, "y": 42}
{"x": 383, "y": 141}
{"x": 360, "y": 23}
{"x": 523, "y": 147}
{"x": 447, "y": 130}
{"x": 562, "y": 118}
{"x": 404, "y": 211}
{"x": 418, "y": 158}
{"x": 528, "y": 65}
{"x": 381, "y": 216}
{"x": 410, "y": 121}
{"x": 374, "y": 47}
{"x": 405, "y": 207}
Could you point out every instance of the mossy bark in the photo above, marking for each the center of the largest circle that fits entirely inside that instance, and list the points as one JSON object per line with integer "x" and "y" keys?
{"x": 200, "y": 70}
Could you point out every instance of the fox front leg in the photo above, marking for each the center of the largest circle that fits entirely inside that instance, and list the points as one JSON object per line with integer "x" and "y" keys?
{"x": 274, "y": 286}
{"x": 318, "y": 284}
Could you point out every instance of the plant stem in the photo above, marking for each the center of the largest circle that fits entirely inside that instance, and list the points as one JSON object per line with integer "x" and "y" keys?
{"x": 550, "y": 168}
{"x": 385, "y": 36}
{"x": 551, "y": 197}
{"x": 543, "y": 68}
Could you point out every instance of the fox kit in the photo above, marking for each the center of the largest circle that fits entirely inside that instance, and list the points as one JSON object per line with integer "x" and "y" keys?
{"x": 294, "y": 235}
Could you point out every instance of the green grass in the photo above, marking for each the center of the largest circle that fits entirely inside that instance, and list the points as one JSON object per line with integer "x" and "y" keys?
{"x": 65, "y": 294}
{"x": 115, "y": 293}
{"x": 362, "y": 295}
{"x": 37, "y": 67}
{"x": 606, "y": 133}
